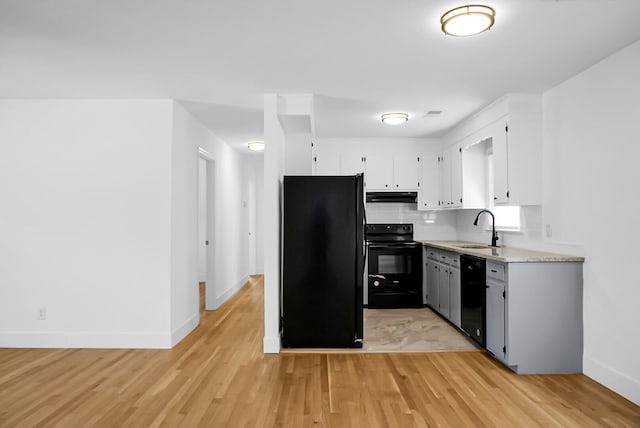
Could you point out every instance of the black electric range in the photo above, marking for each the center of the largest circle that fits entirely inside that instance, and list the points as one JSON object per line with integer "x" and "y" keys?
{"x": 395, "y": 266}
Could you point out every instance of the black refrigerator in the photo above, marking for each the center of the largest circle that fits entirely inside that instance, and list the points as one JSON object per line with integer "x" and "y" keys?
{"x": 323, "y": 261}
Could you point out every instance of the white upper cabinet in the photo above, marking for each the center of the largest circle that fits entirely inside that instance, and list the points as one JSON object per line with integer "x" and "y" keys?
{"x": 351, "y": 164}
{"x": 326, "y": 164}
{"x": 513, "y": 125}
{"x": 406, "y": 172}
{"x": 500, "y": 162}
{"x": 428, "y": 192}
{"x": 524, "y": 150}
{"x": 385, "y": 172}
{"x": 456, "y": 176}
{"x": 379, "y": 175}
{"x": 385, "y": 167}
{"x": 450, "y": 174}
{"x": 444, "y": 180}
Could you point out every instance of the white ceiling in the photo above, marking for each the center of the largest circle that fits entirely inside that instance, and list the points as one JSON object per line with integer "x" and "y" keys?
{"x": 359, "y": 57}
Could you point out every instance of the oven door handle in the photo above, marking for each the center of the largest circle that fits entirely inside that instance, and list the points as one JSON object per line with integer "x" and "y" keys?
{"x": 394, "y": 246}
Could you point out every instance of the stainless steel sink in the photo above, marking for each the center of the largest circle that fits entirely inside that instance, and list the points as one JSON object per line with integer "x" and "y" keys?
{"x": 472, "y": 246}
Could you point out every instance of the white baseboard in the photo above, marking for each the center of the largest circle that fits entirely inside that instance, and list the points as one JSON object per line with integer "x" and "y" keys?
{"x": 68, "y": 339}
{"x": 220, "y": 300}
{"x": 187, "y": 327}
{"x": 618, "y": 382}
{"x": 271, "y": 344}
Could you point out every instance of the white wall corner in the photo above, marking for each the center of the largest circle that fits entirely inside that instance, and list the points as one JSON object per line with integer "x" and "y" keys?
{"x": 227, "y": 294}
{"x": 187, "y": 327}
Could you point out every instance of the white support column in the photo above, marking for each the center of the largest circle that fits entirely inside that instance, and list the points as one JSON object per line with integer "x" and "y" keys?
{"x": 274, "y": 139}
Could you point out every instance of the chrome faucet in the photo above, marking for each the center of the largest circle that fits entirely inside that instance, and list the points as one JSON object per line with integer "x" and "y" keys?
{"x": 494, "y": 235}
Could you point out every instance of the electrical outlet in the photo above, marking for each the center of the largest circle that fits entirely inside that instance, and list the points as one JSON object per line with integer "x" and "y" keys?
{"x": 42, "y": 313}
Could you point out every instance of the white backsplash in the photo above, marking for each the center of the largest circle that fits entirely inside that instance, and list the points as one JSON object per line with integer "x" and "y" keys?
{"x": 427, "y": 225}
{"x": 457, "y": 225}
{"x": 530, "y": 235}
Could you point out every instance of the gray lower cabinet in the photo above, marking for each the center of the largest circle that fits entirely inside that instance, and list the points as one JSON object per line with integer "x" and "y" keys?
{"x": 443, "y": 290}
{"x": 442, "y": 283}
{"x": 533, "y": 317}
{"x": 536, "y": 325}
{"x": 431, "y": 278}
{"x": 495, "y": 321}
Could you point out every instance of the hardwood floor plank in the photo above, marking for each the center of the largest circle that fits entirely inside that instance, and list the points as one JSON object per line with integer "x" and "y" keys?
{"x": 218, "y": 376}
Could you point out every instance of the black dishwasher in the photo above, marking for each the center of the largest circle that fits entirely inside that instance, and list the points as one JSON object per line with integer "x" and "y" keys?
{"x": 473, "y": 279}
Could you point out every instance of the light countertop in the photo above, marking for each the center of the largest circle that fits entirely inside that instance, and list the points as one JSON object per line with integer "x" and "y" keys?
{"x": 502, "y": 254}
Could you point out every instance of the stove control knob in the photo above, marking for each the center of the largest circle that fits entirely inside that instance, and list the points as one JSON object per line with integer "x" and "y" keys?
{"x": 376, "y": 283}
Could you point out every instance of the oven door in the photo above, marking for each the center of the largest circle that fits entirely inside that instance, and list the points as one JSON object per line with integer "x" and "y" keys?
{"x": 395, "y": 275}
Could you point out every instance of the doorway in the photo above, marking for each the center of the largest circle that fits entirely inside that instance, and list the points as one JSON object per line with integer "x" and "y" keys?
{"x": 206, "y": 227}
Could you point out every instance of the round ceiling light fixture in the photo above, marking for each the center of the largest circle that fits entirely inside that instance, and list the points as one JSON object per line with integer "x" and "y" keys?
{"x": 468, "y": 20}
{"x": 256, "y": 145}
{"x": 394, "y": 118}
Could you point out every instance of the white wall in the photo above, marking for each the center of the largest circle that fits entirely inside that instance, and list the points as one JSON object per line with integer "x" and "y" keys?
{"x": 275, "y": 141}
{"x": 85, "y": 196}
{"x": 99, "y": 222}
{"x": 185, "y": 308}
{"x": 591, "y": 153}
{"x": 228, "y": 242}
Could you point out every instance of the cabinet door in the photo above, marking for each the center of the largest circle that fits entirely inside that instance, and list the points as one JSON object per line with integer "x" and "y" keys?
{"x": 499, "y": 141}
{"x": 379, "y": 170}
{"x": 443, "y": 291}
{"x": 351, "y": 164}
{"x": 495, "y": 318}
{"x": 454, "y": 296}
{"x": 455, "y": 154}
{"x": 326, "y": 164}
{"x": 432, "y": 283}
{"x": 444, "y": 173}
{"x": 428, "y": 191}
{"x": 406, "y": 170}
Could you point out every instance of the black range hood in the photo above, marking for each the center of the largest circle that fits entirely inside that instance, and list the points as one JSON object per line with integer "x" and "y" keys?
{"x": 406, "y": 197}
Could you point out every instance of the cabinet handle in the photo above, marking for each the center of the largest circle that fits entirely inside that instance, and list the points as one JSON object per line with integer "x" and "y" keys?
{"x": 386, "y": 185}
{"x": 495, "y": 198}
{"x": 397, "y": 185}
{"x": 494, "y": 271}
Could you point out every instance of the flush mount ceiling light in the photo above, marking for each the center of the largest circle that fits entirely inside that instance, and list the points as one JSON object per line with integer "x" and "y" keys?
{"x": 394, "y": 118}
{"x": 256, "y": 145}
{"x": 467, "y": 20}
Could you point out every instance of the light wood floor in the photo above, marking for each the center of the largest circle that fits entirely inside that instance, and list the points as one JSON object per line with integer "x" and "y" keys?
{"x": 218, "y": 377}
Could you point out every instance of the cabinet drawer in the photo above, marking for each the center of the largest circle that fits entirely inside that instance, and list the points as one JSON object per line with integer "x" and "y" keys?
{"x": 444, "y": 258}
{"x": 495, "y": 271}
{"x": 433, "y": 254}
{"x": 455, "y": 261}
